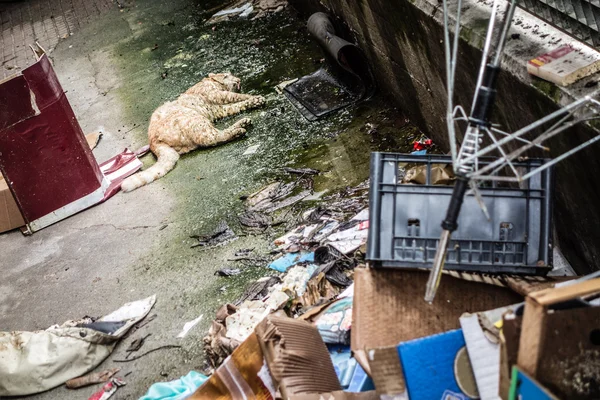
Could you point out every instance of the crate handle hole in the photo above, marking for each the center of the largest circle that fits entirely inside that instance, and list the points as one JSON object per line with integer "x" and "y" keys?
{"x": 506, "y": 231}
{"x": 595, "y": 337}
{"x": 414, "y": 227}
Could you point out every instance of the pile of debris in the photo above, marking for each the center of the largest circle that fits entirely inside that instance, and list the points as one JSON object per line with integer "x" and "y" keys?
{"x": 315, "y": 261}
{"x": 248, "y": 9}
{"x": 329, "y": 327}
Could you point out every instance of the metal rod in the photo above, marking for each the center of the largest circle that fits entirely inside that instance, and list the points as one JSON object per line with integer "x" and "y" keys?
{"x": 501, "y": 150}
{"x": 508, "y": 16}
{"x": 451, "y": 55}
{"x": 483, "y": 102}
{"x": 438, "y": 265}
{"x": 533, "y": 125}
{"x": 485, "y": 55}
{"x": 546, "y": 135}
{"x": 495, "y": 130}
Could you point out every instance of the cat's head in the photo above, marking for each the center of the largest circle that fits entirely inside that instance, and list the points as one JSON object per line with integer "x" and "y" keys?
{"x": 228, "y": 81}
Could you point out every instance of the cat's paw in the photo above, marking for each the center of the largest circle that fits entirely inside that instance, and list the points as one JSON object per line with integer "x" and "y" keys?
{"x": 258, "y": 101}
{"x": 244, "y": 122}
{"x": 240, "y": 132}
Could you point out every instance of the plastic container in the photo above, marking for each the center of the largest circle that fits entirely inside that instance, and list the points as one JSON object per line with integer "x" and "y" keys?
{"x": 404, "y": 222}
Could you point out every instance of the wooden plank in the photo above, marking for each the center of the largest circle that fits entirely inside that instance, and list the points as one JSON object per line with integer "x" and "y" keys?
{"x": 532, "y": 336}
{"x": 552, "y": 296}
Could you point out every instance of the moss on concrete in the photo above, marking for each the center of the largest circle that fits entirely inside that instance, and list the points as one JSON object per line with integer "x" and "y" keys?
{"x": 169, "y": 52}
{"x": 547, "y": 88}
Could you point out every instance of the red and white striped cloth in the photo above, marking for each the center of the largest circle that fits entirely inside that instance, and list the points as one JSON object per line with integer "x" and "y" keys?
{"x": 118, "y": 168}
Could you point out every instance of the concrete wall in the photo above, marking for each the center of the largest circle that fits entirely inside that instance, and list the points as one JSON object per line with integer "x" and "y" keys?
{"x": 403, "y": 40}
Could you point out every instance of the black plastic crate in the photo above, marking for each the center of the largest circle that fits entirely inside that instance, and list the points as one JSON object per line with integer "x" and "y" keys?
{"x": 404, "y": 221}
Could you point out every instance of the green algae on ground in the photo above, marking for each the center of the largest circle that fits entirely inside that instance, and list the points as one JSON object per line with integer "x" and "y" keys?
{"x": 163, "y": 58}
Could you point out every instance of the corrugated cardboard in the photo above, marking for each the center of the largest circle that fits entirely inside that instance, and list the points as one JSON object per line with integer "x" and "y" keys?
{"x": 389, "y": 309}
{"x": 338, "y": 395}
{"x": 296, "y": 356}
{"x": 560, "y": 339}
{"x": 10, "y": 215}
{"x": 482, "y": 337}
{"x": 389, "y": 306}
{"x": 509, "y": 350}
{"x": 242, "y": 375}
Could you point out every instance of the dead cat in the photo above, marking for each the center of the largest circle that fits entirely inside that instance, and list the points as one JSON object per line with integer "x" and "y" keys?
{"x": 180, "y": 126}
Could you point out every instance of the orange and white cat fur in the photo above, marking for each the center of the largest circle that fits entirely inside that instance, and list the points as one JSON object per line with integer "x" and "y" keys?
{"x": 180, "y": 126}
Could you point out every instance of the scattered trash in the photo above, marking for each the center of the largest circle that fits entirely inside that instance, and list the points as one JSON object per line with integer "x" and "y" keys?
{"x": 178, "y": 389}
{"x": 243, "y": 10}
{"x": 278, "y": 195}
{"x": 221, "y": 236}
{"x": 231, "y": 11}
{"x": 255, "y": 220}
{"x": 250, "y": 313}
{"x": 94, "y": 138}
{"x": 423, "y": 144}
{"x": 295, "y": 281}
{"x": 351, "y": 239}
{"x": 259, "y": 289}
{"x": 251, "y": 150}
{"x": 565, "y": 64}
{"x": 80, "y": 345}
{"x": 217, "y": 345}
{"x": 279, "y": 88}
{"x": 167, "y": 346}
{"x": 188, "y": 326}
{"x": 90, "y": 379}
{"x": 444, "y": 356}
{"x": 286, "y": 261}
{"x": 228, "y": 272}
{"x": 292, "y": 350}
{"x": 136, "y": 344}
{"x": 302, "y": 171}
{"x": 108, "y": 390}
{"x": 335, "y": 321}
{"x": 243, "y": 375}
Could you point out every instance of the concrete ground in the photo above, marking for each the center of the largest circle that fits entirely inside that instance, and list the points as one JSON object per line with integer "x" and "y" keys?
{"x": 117, "y": 66}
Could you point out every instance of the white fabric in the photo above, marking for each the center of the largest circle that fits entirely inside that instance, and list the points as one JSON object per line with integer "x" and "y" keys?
{"x": 32, "y": 362}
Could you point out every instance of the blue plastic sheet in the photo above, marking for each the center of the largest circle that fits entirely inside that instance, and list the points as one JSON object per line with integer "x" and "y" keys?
{"x": 351, "y": 375}
{"x": 178, "y": 389}
{"x": 282, "y": 264}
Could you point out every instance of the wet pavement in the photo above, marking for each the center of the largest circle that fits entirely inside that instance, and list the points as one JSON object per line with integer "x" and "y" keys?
{"x": 117, "y": 68}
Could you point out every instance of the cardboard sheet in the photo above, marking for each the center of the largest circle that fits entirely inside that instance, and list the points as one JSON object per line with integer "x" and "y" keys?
{"x": 484, "y": 351}
{"x": 338, "y": 395}
{"x": 10, "y": 215}
{"x": 242, "y": 375}
{"x": 559, "y": 341}
{"x": 389, "y": 309}
{"x": 296, "y": 356}
{"x": 389, "y": 306}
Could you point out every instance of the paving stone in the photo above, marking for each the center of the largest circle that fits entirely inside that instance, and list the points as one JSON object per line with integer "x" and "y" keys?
{"x": 44, "y": 21}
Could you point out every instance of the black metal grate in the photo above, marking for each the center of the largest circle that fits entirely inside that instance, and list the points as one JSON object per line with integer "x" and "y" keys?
{"x": 579, "y": 18}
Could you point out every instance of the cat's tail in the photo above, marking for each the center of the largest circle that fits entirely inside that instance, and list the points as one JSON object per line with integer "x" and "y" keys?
{"x": 166, "y": 159}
